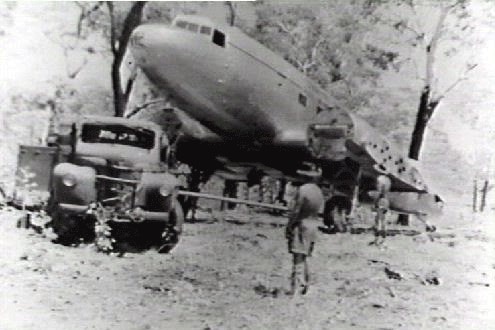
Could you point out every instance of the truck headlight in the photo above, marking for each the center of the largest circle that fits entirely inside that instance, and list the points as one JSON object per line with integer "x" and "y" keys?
{"x": 166, "y": 190}
{"x": 69, "y": 180}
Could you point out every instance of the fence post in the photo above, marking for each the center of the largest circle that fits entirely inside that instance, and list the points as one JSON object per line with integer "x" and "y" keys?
{"x": 484, "y": 191}
{"x": 475, "y": 195}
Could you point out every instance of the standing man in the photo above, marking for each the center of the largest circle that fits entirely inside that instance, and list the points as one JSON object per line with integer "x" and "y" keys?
{"x": 381, "y": 207}
{"x": 301, "y": 233}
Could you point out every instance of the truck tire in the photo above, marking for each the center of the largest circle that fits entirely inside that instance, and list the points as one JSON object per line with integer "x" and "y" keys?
{"x": 71, "y": 229}
{"x": 335, "y": 212}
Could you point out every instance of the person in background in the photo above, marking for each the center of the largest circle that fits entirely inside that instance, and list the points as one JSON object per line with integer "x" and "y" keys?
{"x": 381, "y": 207}
{"x": 301, "y": 233}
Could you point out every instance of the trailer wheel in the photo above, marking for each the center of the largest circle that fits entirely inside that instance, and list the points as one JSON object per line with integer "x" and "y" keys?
{"x": 335, "y": 212}
{"x": 71, "y": 229}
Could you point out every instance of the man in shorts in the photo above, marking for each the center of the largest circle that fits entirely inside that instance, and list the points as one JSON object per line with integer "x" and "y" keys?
{"x": 381, "y": 207}
{"x": 301, "y": 233}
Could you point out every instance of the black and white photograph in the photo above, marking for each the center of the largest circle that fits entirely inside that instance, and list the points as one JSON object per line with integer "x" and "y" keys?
{"x": 269, "y": 164}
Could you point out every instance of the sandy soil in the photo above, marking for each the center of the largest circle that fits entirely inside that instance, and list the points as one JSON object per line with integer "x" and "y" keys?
{"x": 233, "y": 274}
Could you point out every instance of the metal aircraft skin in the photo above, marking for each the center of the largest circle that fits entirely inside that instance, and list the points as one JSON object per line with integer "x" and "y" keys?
{"x": 245, "y": 107}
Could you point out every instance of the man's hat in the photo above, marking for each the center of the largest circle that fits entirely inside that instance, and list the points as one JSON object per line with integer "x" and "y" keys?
{"x": 313, "y": 174}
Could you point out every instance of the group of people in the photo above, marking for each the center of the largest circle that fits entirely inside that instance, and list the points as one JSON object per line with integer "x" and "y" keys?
{"x": 302, "y": 226}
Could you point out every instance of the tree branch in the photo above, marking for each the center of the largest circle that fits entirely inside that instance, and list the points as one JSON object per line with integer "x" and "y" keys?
{"x": 75, "y": 72}
{"x": 285, "y": 29}
{"x": 233, "y": 12}
{"x": 463, "y": 77}
{"x": 132, "y": 20}
{"x": 432, "y": 46}
{"x": 399, "y": 23}
{"x": 85, "y": 14}
{"x": 145, "y": 105}
{"x": 415, "y": 20}
{"x": 417, "y": 35}
{"x": 310, "y": 62}
{"x": 315, "y": 48}
{"x": 128, "y": 87}
{"x": 113, "y": 31}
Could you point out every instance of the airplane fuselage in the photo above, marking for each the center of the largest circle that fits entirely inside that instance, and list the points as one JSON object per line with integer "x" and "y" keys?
{"x": 258, "y": 107}
{"x": 235, "y": 87}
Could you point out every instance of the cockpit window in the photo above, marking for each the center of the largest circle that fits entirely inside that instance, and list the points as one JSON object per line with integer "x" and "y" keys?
{"x": 303, "y": 99}
{"x": 219, "y": 38}
{"x": 193, "y": 27}
{"x": 181, "y": 24}
{"x": 118, "y": 134}
{"x": 205, "y": 30}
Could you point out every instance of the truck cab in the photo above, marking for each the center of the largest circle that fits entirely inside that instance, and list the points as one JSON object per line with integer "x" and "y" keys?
{"x": 116, "y": 167}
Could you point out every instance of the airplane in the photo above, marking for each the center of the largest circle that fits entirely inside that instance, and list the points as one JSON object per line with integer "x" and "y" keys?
{"x": 244, "y": 111}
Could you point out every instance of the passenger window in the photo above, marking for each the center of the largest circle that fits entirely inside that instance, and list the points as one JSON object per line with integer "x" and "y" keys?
{"x": 193, "y": 27}
{"x": 205, "y": 30}
{"x": 219, "y": 38}
{"x": 303, "y": 99}
{"x": 181, "y": 24}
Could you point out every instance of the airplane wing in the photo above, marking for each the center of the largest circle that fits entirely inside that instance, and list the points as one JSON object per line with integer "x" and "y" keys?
{"x": 337, "y": 135}
{"x": 347, "y": 141}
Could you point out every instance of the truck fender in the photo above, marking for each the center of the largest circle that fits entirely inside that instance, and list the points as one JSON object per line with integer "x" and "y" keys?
{"x": 74, "y": 184}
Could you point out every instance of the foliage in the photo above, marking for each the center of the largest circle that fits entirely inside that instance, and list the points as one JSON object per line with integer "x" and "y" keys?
{"x": 426, "y": 47}
{"x": 25, "y": 185}
{"x": 374, "y": 57}
{"x": 114, "y": 24}
{"x": 103, "y": 231}
{"x": 328, "y": 43}
{"x": 114, "y": 21}
{"x": 6, "y": 9}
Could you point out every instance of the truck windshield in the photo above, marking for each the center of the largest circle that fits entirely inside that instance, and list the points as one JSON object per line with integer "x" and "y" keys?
{"x": 118, "y": 134}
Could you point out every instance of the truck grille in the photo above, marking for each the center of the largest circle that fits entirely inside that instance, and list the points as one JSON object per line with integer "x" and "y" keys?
{"x": 116, "y": 191}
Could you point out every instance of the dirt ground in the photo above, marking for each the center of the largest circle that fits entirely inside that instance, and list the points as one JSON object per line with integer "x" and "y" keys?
{"x": 233, "y": 274}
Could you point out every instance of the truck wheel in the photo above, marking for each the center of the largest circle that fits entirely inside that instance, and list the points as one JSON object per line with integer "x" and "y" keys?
{"x": 173, "y": 230}
{"x": 335, "y": 212}
{"x": 71, "y": 229}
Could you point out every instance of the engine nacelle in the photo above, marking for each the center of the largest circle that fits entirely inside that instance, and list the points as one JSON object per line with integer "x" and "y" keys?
{"x": 327, "y": 137}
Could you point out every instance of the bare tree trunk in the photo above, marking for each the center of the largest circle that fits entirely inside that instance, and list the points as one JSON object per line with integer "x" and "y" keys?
{"x": 425, "y": 110}
{"x": 475, "y": 196}
{"x": 119, "y": 100}
{"x": 484, "y": 191}
{"x": 119, "y": 46}
{"x": 427, "y": 104}
{"x": 232, "y": 12}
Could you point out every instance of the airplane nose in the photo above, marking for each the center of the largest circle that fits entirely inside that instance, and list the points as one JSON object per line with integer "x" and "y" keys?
{"x": 153, "y": 42}
{"x": 155, "y": 35}
{"x": 139, "y": 36}
{"x": 144, "y": 42}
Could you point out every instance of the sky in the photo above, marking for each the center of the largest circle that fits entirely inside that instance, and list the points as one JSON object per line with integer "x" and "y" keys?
{"x": 30, "y": 60}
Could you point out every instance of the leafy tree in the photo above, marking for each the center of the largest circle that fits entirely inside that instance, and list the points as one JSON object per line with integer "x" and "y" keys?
{"x": 429, "y": 36}
{"x": 327, "y": 42}
{"x": 443, "y": 40}
{"x": 353, "y": 48}
{"x": 116, "y": 22}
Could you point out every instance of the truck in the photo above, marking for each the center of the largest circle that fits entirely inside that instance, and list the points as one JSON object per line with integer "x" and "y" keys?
{"x": 108, "y": 167}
